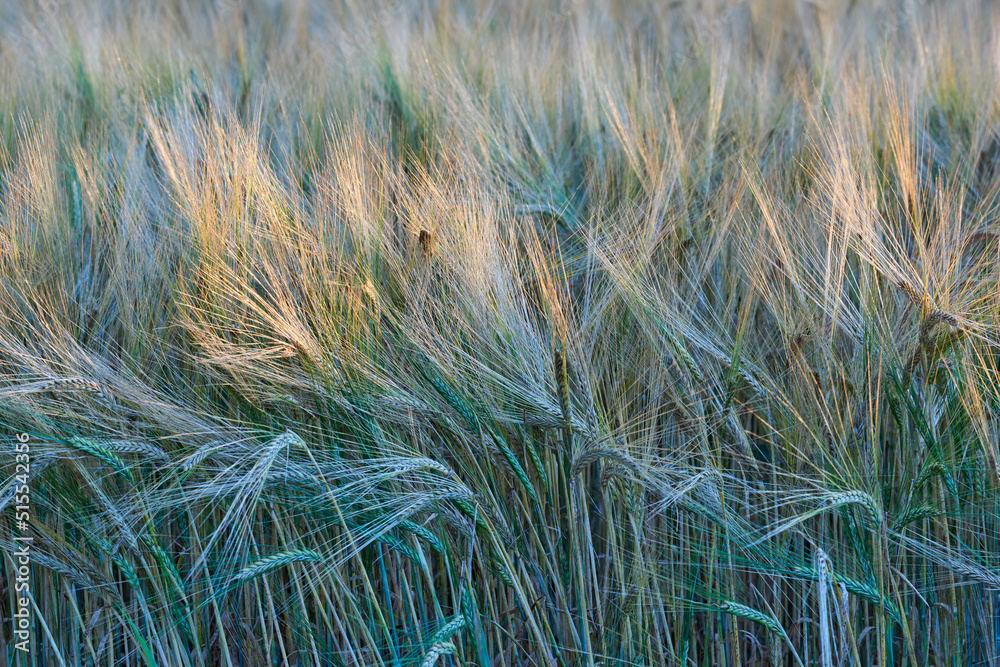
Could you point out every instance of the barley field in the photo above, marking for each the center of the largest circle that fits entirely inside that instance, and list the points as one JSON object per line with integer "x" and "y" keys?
{"x": 477, "y": 333}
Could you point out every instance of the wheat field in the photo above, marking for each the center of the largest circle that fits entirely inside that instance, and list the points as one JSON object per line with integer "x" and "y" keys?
{"x": 479, "y": 333}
